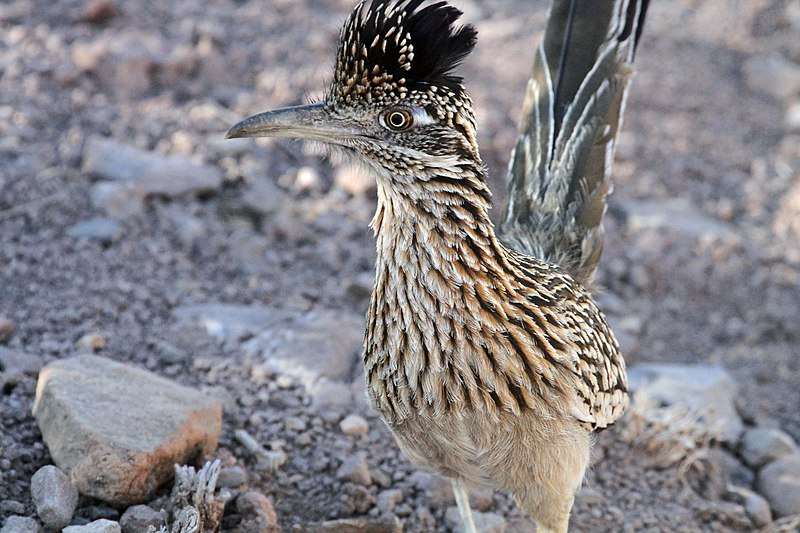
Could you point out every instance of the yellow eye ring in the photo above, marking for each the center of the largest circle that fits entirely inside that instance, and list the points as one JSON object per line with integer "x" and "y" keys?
{"x": 398, "y": 119}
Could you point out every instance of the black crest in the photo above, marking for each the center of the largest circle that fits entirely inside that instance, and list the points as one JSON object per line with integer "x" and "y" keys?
{"x": 397, "y": 46}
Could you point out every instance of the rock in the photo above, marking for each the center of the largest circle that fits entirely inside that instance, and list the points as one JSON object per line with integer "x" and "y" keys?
{"x": 12, "y": 507}
{"x": 351, "y": 525}
{"x": 792, "y": 120}
{"x": 257, "y": 513}
{"x": 149, "y": 172}
{"x": 676, "y": 215}
{"x": 17, "y": 362}
{"x": 99, "y": 11}
{"x": 484, "y": 522}
{"x": 98, "y": 526}
{"x": 21, "y": 524}
{"x": 136, "y": 519}
{"x": 387, "y": 499}
{"x": 100, "y": 229}
{"x": 227, "y": 322}
{"x": 117, "y": 200}
{"x": 322, "y": 344}
{"x": 92, "y": 342}
{"x": 705, "y": 389}
{"x": 756, "y": 506}
{"x": 355, "y": 468}
{"x": 232, "y": 477}
{"x": 252, "y": 504}
{"x": 779, "y": 483}
{"x": 263, "y": 197}
{"x": 332, "y": 395}
{"x": 118, "y": 430}
{"x": 354, "y": 425}
{"x": 760, "y": 446}
{"x": 124, "y": 61}
{"x": 7, "y": 327}
{"x": 54, "y": 497}
{"x": 774, "y": 76}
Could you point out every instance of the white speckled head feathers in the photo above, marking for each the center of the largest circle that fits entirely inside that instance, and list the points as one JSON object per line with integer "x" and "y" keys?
{"x": 390, "y": 48}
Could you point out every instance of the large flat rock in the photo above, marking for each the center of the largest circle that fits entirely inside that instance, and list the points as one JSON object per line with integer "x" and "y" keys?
{"x": 149, "y": 173}
{"x": 117, "y": 430}
{"x": 705, "y": 389}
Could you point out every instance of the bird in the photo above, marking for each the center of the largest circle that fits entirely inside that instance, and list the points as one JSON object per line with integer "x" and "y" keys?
{"x": 484, "y": 352}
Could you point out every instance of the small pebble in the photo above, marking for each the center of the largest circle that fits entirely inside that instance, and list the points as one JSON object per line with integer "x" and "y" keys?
{"x": 232, "y": 477}
{"x": 54, "y": 497}
{"x": 99, "y": 11}
{"x": 295, "y": 423}
{"x": 388, "y": 499}
{"x": 354, "y": 425}
{"x": 355, "y": 469}
{"x": 98, "y": 526}
{"x": 12, "y": 507}
{"x": 92, "y": 341}
{"x": 760, "y": 446}
{"x": 252, "y": 504}
{"x": 484, "y": 522}
{"x": 21, "y": 524}
{"x": 136, "y": 519}
{"x": 7, "y": 327}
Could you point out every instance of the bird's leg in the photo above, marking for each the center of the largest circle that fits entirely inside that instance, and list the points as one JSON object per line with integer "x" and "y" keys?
{"x": 462, "y": 500}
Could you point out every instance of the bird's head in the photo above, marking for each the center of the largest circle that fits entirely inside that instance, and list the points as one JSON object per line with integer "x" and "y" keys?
{"x": 393, "y": 101}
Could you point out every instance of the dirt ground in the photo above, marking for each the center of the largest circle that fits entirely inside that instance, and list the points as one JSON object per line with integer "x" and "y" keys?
{"x": 701, "y": 262}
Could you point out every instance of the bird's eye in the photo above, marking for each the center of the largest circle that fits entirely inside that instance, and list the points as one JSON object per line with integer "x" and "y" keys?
{"x": 398, "y": 119}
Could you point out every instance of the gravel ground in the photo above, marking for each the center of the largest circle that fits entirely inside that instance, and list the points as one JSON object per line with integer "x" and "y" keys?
{"x": 701, "y": 263}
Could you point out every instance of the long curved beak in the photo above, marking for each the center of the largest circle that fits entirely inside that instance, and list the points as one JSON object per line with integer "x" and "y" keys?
{"x": 300, "y": 122}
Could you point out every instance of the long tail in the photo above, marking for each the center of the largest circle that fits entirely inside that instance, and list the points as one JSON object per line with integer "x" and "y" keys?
{"x": 560, "y": 170}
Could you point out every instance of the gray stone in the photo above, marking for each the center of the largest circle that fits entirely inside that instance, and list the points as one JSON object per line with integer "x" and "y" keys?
{"x": 7, "y": 326}
{"x": 98, "y": 229}
{"x": 484, "y": 522}
{"x": 322, "y": 344}
{"x": 387, "y": 499}
{"x": 227, "y": 322}
{"x": 125, "y": 61}
{"x": 332, "y": 395}
{"x": 792, "y": 119}
{"x": 21, "y": 524}
{"x": 351, "y": 525}
{"x": 54, "y": 497}
{"x": 779, "y": 483}
{"x": 263, "y": 197}
{"x": 117, "y": 200}
{"x": 12, "y": 506}
{"x": 760, "y": 446}
{"x": 774, "y": 75}
{"x": 755, "y": 505}
{"x": 676, "y": 215}
{"x": 354, "y": 425}
{"x": 232, "y": 477}
{"x": 252, "y": 504}
{"x": 98, "y": 526}
{"x": 118, "y": 430}
{"x": 150, "y": 173}
{"x": 705, "y": 389}
{"x": 355, "y": 468}
{"x": 18, "y": 362}
{"x": 138, "y": 518}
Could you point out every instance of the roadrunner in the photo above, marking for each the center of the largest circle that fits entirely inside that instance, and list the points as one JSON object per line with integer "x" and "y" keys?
{"x": 484, "y": 352}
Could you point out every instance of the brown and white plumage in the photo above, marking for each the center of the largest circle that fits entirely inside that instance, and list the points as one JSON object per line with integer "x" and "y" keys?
{"x": 489, "y": 362}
